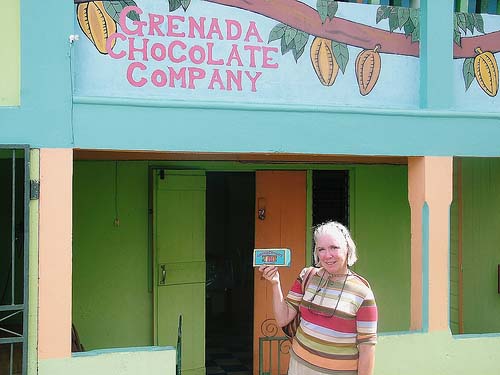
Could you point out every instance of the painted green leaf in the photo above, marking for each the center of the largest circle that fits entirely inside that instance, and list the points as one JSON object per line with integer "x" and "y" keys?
{"x": 277, "y": 32}
{"x": 382, "y": 13}
{"x": 341, "y": 53}
{"x": 333, "y": 6}
{"x": 470, "y": 22}
{"x": 455, "y": 22}
{"x": 115, "y": 7}
{"x": 286, "y": 47}
{"x": 462, "y": 22}
{"x": 322, "y": 8}
{"x": 393, "y": 20}
{"x": 479, "y": 22}
{"x": 408, "y": 28}
{"x": 290, "y": 33}
{"x": 300, "y": 40}
{"x": 415, "y": 35}
{"x": 173, "y": 5}
{"x": 457, "y": 38}
{"x": 415, "y": 16}
{"x": 185, "y": 4}
{"x": 297, "y": 53}
{"x": 468, "y": 72}
{"x": 403, "y": 16}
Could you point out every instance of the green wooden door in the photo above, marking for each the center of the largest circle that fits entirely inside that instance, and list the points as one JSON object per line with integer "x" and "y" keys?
{"x": 179, "y": 243}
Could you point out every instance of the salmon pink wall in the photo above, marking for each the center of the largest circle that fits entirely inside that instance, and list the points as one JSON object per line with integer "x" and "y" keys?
{"x": 55, "y": 226}
{"x": 430, "y": 194}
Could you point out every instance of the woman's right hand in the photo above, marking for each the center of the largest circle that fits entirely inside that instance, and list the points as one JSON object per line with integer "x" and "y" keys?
{"x": 270, "y": 273}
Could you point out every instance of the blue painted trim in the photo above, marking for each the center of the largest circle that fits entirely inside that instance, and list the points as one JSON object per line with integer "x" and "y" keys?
{"x": 476, "y": 336}
{"x": 123, "y": 350}
{"x": 425, "y": 267}
{"x": 152, "y": 103}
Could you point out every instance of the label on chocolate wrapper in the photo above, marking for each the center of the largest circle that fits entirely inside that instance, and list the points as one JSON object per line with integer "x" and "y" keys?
{"x": 271, "y": 257}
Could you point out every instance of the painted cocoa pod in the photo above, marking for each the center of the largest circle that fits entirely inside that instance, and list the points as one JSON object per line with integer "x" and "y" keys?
{"x": 368, "y": 65}
{"x": 96, "y": 23}
{"x": 486, "y": 72}
{"x": 323, "y": 61}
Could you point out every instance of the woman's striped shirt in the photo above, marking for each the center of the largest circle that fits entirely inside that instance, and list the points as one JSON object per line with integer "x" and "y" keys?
{"x": 331, "y": 329}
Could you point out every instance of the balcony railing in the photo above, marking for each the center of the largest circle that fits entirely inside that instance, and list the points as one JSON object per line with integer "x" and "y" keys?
{"x": 478, "y": 6}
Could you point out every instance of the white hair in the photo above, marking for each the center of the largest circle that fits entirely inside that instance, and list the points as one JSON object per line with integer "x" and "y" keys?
{"x": 334, "y": 228}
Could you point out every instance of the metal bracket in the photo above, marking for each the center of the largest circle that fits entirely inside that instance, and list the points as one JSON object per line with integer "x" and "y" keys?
{"x": 34, "y": 189}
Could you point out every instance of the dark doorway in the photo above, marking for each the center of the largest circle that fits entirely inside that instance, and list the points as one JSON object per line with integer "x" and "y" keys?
{"x": 13, "y": 260}
{"x": 230, "y": 227}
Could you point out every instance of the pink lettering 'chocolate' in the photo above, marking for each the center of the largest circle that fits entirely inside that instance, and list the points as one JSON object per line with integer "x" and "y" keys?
{"x": 171, "y": 46}
{"x": 109, "y": 43}
{"x": 266, "y": 59}
{"x": 234, "y": 55}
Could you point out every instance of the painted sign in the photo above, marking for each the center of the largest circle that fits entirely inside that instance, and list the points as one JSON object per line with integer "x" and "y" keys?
{"x": 311, "y": 52}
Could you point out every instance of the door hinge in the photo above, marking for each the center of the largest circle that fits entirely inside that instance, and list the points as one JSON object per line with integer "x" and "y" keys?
{"x": 34, "y": 189}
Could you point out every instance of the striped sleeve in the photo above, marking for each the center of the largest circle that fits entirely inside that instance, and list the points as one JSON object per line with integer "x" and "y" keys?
{"x": 295, "y": 294}
{"x": 366, "y": 320}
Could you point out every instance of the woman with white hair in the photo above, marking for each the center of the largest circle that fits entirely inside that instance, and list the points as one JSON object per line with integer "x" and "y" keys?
{"x": 338, "y": 315}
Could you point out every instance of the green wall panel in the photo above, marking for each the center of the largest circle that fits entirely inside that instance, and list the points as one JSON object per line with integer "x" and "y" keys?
{"x": 380, "y": 219}
{"x": 112, "y": 305}
{"x": 10, "y": 53}
{"x": 454, "y": 240}
{"x": 481, "y": 238}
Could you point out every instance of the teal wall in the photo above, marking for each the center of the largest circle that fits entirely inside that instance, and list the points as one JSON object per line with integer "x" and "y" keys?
{"x": 44, "y": 115}
{"x": 112, "y": 302}
{"x": 381, "y": 227}
{"x": 10, "y": 53}
{"x": 232, "y": 128}
{"x": 481, "y": 255}
{"x": 48, "y": 117}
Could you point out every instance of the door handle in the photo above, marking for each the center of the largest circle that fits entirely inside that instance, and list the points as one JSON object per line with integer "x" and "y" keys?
{"x": 163, "y": 274}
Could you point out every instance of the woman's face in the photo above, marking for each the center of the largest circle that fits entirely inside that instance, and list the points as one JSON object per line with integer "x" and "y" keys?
{"x": 332, "y": 252}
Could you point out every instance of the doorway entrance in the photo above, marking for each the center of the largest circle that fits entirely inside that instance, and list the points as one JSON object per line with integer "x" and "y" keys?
{"x": 230, "y": 203}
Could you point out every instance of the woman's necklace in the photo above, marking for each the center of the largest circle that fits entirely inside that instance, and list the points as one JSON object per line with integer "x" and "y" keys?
{"x": 340, "y": 295}
{"x": 319, "y": 288}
